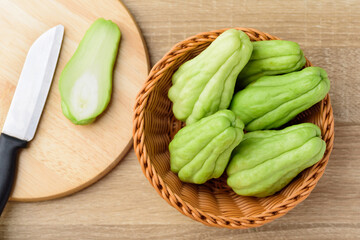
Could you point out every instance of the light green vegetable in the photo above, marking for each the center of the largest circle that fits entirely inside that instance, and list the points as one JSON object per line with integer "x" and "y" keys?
{"x": 205, "y": 84}
{"x": 266, "y": 161}
{"x": 86, "y": 81}
{"x": 202, "y": 150}
{"x": 271, "y": 58}
{"x": 271, "y": 101}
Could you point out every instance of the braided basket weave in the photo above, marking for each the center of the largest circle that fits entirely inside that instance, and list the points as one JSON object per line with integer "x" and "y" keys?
{"x": 213, "y": 203}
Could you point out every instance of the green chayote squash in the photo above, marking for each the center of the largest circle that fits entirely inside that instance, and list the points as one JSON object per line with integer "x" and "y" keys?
{"x": 271, "y": 58}
{"x": 205, "y": 84}
{"x": 86, "y": 82}
{"x": 266, "y": 161}
{"x": 271, "y": 101}
{"x": 202, "y": 150}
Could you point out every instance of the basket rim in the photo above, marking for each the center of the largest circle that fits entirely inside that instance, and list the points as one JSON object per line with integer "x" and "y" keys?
{"x": 280, "y": 208}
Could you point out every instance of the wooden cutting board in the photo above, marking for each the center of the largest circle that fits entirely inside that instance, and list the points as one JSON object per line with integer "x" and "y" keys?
{"x": 64, "y": 158}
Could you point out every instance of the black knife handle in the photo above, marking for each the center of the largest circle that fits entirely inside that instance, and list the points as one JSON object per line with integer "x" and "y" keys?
{"x": 8, "y": 156}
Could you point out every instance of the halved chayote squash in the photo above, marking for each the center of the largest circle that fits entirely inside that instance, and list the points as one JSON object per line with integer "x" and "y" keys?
{"x": 86, "y": 81}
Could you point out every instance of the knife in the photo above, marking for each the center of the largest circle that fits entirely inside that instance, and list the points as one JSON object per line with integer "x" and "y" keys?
{"x": 27, "y": 104}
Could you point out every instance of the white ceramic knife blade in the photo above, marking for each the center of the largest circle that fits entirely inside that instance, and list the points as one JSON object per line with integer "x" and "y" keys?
{"x": 33, "y": 85}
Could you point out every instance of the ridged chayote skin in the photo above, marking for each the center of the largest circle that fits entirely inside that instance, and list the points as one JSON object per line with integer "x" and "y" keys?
{"x": 202, "y": 150}
{"x": 266, "y": 161}
{"x": 205, "y": 84}
{"x": 271, "y": 101}
{"x": 271, "y": 58}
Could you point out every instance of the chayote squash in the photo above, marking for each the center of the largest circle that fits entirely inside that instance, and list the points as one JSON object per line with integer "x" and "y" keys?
{"x": 205, "y": 84}
{"x": 202, "y": 150}
{"x": 266, "y": 161}
{"x": 271, "y": 58}
{"x": 86, "y": 81}
{"x": 271, "y": 101}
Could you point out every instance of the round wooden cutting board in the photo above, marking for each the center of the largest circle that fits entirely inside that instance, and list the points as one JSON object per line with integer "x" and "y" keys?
{"x": 64, "y": 158}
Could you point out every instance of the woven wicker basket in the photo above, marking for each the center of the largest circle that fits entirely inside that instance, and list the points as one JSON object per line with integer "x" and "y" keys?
{"x": 213, "y": 203}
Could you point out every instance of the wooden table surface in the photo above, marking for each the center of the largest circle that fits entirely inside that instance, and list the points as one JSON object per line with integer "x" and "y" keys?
{"x": 123, "y": 205}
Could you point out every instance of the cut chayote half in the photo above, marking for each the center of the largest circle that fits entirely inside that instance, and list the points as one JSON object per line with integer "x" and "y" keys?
{"x": 86, "y": 81}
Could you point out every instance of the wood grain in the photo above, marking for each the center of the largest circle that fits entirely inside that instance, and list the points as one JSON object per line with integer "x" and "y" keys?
{"x": 123, "y": 205}
{"x": 64, "y": 158}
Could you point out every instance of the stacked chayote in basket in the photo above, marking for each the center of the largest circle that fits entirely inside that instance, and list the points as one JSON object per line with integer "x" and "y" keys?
{"x": 270, "y": 90}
